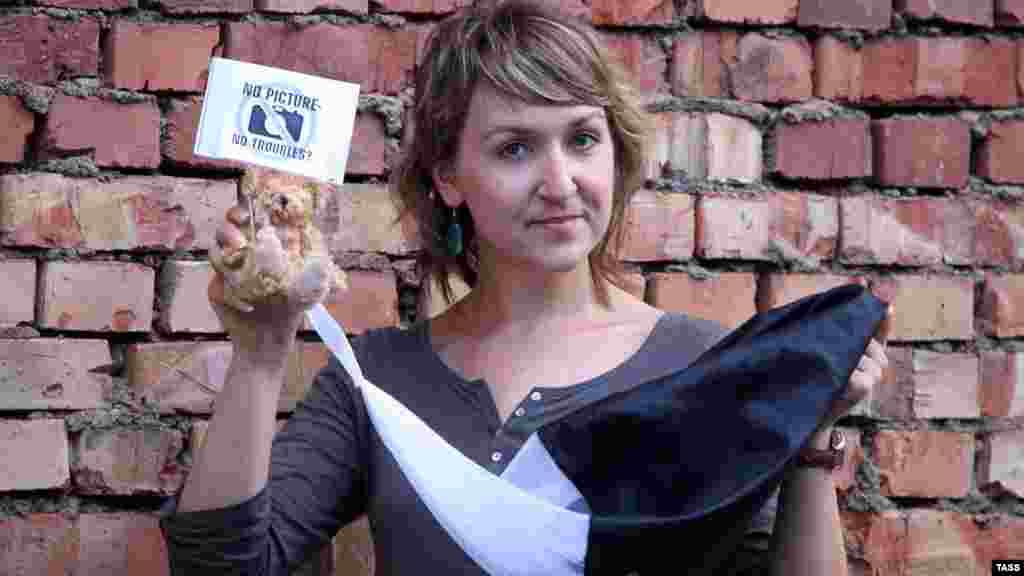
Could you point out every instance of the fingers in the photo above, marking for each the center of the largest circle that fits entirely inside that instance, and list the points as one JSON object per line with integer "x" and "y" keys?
{"x": 876, "y": 352}
{"x": 868, "y": 373}
{"x": 238, "y": 214}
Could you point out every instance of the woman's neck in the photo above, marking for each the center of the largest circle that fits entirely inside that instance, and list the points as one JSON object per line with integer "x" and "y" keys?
{"x": 530, "y": 298}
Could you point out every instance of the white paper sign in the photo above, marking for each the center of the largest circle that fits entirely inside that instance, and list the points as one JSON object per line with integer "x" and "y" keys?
{"x": 277, "y": 118}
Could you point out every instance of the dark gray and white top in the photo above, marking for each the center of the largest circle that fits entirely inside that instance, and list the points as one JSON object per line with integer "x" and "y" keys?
{"x": 329, "y": 467}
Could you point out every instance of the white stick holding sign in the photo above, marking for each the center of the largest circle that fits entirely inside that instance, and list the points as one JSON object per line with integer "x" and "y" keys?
{"x": 277, "y": 118}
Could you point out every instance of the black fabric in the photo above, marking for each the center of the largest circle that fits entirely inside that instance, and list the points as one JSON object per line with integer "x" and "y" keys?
{"x": 686, "y": 460}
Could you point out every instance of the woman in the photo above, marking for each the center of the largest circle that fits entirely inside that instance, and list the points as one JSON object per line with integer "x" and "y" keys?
{"x": 527, "y": 144}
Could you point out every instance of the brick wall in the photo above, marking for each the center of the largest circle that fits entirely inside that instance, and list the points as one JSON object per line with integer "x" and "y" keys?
{"x": 801, "y": 144}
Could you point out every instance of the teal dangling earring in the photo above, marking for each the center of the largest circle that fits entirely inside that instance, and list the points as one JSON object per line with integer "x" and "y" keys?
{"x": 453, "y": 236}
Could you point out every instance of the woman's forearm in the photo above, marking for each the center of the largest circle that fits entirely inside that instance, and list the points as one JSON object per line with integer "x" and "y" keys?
{"x": 808, "y": 537}
{"x": 233, "y": 465}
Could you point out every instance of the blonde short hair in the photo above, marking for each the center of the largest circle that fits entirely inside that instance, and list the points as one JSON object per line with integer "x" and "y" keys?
{"x": 527, "y": 51}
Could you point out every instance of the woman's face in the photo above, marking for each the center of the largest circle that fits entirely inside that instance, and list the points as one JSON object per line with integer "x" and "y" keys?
{"x": 538, "y": 180}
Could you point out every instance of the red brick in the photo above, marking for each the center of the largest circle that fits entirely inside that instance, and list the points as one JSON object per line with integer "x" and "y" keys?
{"x": 930, "y": 231}
{"x": 998, "y": 537}
{"x": 937, "y": 70}
{"x": 772, "y": 69}
{"x": 686, "y": 69}
{"x": 706, "y": 146}
{"x": 862, "y": 14}
{"x": 180, "y": 126}
{"x": 778, "y": 289}
{"x": 19, "y": 123}
{"x": 989, "y": 76}
{"x": 698, "y": 66}
{"x": 184, "y": 306}
{"x": 912, "y": 232}
{"x": 1001, "y": 307}
{"x": 205, "y": 6}
{"x": 364, "y": 218}
{"x": 625, "y": 12}
{"x": 998, "y": 235}
{"x": 38, "y": 49}
{"x": 18, "y": 286}
{"x": 922, "y": 152}
{"x": 121, "y": 543}
{"x": 998, "y": 155}
{"x": 893, "y": 396}
{"x": 392, "y": 59}
{"x": 944, "y": 385}
{"x": 110, "y": 5}
{"x": 572, "y": 8}
{"x": 53, "y": 374}
{"x": 35, "y": 455}
{"x": 127, "y": 213}
{"x": 833, "y": 149}
{"x": 890, "y": 68}
{"x": 371, "y": 301}
{"x": 380, "y": 60}
{"x": 186, "y": 376}
{"x": 103, "y": 296}
{"x": 743, "y": 12}
{"x": 1009, "y": 12}
{"x": 839, "y": 70}
{"x": 371, "y": 149}
{"x": 117, "y": 135}
{"x": 783, "y": 225}
{"x": 914, "y": 542}
{"x": 306, "y": 6}
{"x": 929, "y": 308}
{"x": 178, "y": 376}
{"x": 155, "y": 56}
{"x": 1001, "y": 465}
{"x": 643, "y": 58}
{"x": 975, "y": 13}
{"x": 727, "y": 297}
{"x": 924, "y": 463}
{"x": 658, "y": 227}
{"x": 1001, "y": 389}
{"x": 422, "y": 6}
{"x": 127, "y": 461}
{"x": 45, "y": 544}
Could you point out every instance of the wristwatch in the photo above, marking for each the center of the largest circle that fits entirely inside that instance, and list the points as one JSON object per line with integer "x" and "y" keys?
{"x": 830, "y": 459}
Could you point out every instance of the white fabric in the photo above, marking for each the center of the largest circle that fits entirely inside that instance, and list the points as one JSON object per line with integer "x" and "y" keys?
{"x": 534, "y": 470}
{"x": 507, "y": 531}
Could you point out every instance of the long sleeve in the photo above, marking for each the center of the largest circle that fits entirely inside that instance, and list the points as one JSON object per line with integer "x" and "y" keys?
{"x": 317, "y": 484}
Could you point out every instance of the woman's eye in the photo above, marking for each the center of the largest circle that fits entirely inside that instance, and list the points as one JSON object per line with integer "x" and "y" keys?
{"x": 584, "y": 140}
{"x": 513, "y": 150}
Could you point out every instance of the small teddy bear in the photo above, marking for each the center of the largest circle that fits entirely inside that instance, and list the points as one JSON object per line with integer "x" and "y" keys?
{"x": 277, "y": 251}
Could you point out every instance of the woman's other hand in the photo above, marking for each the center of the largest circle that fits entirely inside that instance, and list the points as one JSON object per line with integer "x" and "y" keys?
{"x": 868, "y": 374}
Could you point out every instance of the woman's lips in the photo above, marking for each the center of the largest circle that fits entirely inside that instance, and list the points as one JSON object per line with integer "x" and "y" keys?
{"x": 557, "y": 219}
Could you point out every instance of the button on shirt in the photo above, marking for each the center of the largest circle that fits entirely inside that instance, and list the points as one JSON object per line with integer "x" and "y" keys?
{"x": 328, "y": 466}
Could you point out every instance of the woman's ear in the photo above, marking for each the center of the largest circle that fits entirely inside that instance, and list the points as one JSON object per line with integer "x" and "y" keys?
{"x": 444, "y": 183}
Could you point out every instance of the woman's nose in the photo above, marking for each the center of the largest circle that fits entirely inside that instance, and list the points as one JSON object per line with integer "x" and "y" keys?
{"x": 558, "y": 178}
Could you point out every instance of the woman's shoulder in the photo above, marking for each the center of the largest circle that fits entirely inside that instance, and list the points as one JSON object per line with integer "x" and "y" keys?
{"x": 681, "y": 334}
